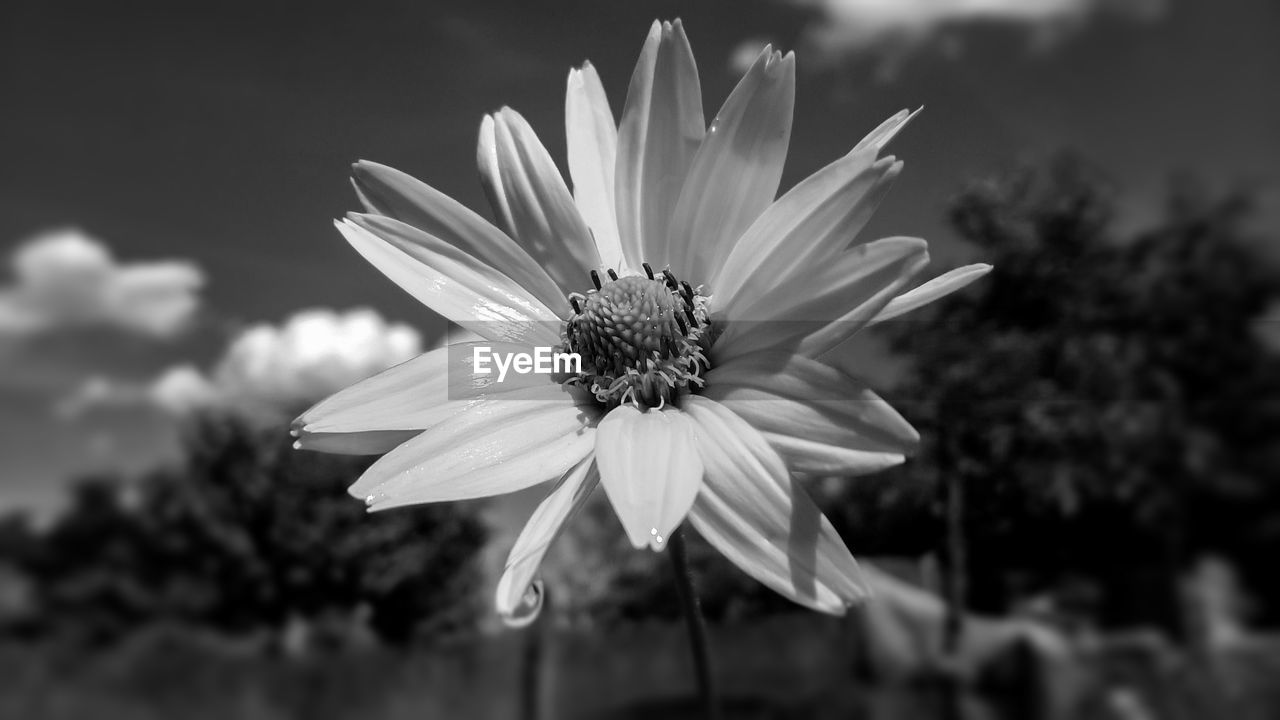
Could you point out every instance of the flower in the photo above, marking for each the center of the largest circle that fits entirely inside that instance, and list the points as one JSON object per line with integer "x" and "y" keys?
{"x": 698, "y": 303}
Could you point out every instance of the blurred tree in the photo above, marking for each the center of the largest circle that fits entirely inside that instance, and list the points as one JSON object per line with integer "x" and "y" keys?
{"x": 1106, "y": 402}
{"x": 249, "y": 534}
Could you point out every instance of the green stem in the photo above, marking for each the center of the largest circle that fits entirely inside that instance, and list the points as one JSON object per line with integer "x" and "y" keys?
{"x": 696, "y": 625}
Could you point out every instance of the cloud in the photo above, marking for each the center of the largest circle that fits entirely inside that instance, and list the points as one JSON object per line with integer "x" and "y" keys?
{"x": 68, "y": 279}
{"x": 314, "y": 353}
{"x": 268, "y": 370}
{"x": 892, "y": 29}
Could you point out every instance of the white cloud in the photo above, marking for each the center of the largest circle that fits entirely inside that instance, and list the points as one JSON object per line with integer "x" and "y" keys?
{"x": 69, "y": 279}
{"x": 268, "y": 370}
{"x": 314, "y": 353}
{"x": 180, "y": 389}
{"x": 892, "y": 29}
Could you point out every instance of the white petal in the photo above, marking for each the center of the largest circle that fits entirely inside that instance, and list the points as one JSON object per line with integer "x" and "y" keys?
{"x": 373, "y": 442}
{"x": 452, "y": 282}
{"x": 592, "y": 143}
{"x": 753, "y": 512}
{"x": 417, "y": 394}
{"x": 662, "y": 126}
{"x": 491, "y": 175}
{"x": 805, "y": 229}
{"x": 650, "y": 469}
{"x": 826, "y": 308}
{"x": 736, "y": 171}
{"x": 819, "y": 419}
{"x": 500, "y": 444}
{"x": 937, "y": 288}
{"x": 389, "y": 192}
{"x": 531, "y": 199}
{"x": 519, "y": 599}
{"x": 885, "y": 131}
{"x": 841, "y": 329}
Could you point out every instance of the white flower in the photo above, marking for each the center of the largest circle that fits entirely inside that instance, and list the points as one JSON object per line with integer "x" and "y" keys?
{"x": 698, "y": 303}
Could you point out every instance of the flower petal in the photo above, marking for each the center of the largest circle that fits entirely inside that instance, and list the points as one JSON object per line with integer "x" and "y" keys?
{"x": 816, "y": 417}
{"x": 373, "y": 442}
{"x": 389, "y": 192}
{"x": 736, "y": 171}
{"x": 827, "y": 307}
{"x": 451, "y": 282}
{"x": 753, "y": 512}
{"x": 651, "y": 471}
{"x": 859, "y": 316}
{"x": 592, "y": 143}
{"x": 414, "y": 395}
{"x": 935, "y": 289}
{"x": 806, "y": 228}
{"x": 500, "y": 444}
{"x": 531, "y": 200}
{"x": 662, "y": 127}
{"x": 519, "y": 598}
{"x": 886, "y": 131}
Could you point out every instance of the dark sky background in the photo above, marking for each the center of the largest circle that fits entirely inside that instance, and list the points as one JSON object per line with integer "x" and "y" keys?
{"x": 221, "y": 133}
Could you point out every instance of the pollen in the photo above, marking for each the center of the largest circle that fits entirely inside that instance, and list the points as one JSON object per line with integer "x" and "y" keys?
{"x": 640, "y": 338}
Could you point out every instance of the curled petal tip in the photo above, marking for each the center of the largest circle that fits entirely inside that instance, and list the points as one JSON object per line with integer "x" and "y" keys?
{"x": 528, "y": 609}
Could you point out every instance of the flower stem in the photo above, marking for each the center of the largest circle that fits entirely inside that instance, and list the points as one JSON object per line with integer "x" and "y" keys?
{"x": 696, "y": 625}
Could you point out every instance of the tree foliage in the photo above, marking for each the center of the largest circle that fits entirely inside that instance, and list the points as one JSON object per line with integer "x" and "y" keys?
{"x": 1103, "y": 394}
{"x": 246, "y": 535}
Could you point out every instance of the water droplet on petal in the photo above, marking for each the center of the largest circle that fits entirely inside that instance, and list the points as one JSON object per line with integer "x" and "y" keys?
{"x": 370, "y": 500}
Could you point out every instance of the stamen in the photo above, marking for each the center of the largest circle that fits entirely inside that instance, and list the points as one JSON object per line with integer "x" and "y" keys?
{"x": 641, "y": 339}
{"x": 688, "y": 313}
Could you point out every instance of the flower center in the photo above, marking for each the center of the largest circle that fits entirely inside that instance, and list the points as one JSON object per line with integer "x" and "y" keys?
{"x": 641, "y": 338}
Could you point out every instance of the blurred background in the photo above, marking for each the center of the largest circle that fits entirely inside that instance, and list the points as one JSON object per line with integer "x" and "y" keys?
{"x": 1090, "y": 530}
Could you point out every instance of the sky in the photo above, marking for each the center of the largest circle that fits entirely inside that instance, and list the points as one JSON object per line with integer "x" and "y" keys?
{"x": 170, "y": 171}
